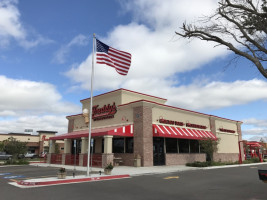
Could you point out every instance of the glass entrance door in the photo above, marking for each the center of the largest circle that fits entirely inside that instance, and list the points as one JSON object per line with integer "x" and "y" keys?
{"x": 158, "y": 151}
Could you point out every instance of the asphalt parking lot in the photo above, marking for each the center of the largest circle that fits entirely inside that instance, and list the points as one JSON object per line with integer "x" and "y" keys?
{"x": 17, "y": 173}
{"x": 237, "y": 183}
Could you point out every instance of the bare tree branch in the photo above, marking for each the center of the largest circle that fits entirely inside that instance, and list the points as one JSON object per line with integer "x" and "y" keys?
{"x": 239, "y": 25}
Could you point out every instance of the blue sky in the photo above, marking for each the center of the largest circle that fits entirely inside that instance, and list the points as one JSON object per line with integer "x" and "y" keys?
{"x": 45, "y": 62}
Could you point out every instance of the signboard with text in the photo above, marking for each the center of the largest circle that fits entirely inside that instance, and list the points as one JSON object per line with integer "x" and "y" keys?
{"x": 105, "y": 112}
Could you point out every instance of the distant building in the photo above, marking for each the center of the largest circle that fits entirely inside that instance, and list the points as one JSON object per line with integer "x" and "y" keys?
{"x": 36, "y": 143}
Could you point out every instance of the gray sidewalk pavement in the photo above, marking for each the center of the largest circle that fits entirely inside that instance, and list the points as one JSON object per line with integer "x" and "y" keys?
{"x": 118, "y": 170}
{"x": 137, "y": 171}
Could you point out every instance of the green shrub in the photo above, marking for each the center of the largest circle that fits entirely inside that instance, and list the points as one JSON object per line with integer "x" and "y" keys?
{"x": 255, "y": 160}
{"x": 209, "y": 163}
{"x": 252, "y": 160}
{"x": 198, "y": 164}
{"x": 17, "y": 162}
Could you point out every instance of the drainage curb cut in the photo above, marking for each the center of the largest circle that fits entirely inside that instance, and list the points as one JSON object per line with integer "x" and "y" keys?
{"x": 78, "y": 180}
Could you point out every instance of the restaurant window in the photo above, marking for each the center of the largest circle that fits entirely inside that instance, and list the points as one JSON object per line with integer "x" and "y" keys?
{"x": 201, "y": 149}
{"x": 171, "y": 145}
{"x": 183, "y": 146}
{"x": 102, "y": 146}
{"x": 118, "y": 145}
{"x": 76, "y": 144}
{"x": 194, "y": 146}
{"x": 129, "y": 145}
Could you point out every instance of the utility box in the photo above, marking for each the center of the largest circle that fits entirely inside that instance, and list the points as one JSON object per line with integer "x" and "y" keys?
{"x": 137, "y": 161}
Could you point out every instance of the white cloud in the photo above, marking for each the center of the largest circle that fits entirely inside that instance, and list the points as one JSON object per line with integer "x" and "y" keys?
{"x": 29, "y": 104}
{"x": 158, "y": 59}
{"x": 256, "y": 122}
{"x": 151, "y": 40}
{"x": 10, "y": 24}
{"x": 199, "y": 96}
{"x": 61, "y": 54}
{"x": 47, "y": 122}
{"x": 32, "y": 97}
{"x": 11, "y": 27}
{"x": 255, "y": 129}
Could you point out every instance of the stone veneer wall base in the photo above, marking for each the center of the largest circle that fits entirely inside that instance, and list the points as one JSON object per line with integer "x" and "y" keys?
{"x": 182, "y": 159}
{"x": 107, "y": 158}
{"x": 226, "y": 157}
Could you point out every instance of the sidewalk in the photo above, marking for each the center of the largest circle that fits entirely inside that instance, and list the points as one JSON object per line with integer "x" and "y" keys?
{"x": 118, "y": 172}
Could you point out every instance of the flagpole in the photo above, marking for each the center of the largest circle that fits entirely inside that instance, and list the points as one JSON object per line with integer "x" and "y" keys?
{"x": 90, "y": 112}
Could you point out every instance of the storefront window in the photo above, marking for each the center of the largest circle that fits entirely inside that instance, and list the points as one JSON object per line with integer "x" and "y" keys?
{"x": 171, "y": 145}
{"x": 118, "y": 145}
{"x": 129, "y": 145}
{"x": 194, "y": 146}
{"x": 76, "y": 145}
{"x": 183, "y": 146}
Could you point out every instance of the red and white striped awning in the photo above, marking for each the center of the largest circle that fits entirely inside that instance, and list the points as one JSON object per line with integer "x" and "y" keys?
{"x": 124, "y": 131}
{"x": 183, "y": 133}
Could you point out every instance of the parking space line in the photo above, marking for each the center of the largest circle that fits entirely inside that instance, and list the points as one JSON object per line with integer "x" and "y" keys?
{"x": 171, "y": 177}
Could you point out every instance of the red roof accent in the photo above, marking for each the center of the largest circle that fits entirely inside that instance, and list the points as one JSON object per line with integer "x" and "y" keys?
{"x": 181, "y": 132}
{"x": 127, "y": 91}
{"x": 124, "y": 131}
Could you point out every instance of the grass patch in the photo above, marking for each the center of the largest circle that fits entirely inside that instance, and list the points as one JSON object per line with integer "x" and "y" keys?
{"x": 16, "y": 162}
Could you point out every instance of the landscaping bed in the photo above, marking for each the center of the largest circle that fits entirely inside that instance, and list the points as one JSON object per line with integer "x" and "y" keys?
{"x": 219, "y": 163}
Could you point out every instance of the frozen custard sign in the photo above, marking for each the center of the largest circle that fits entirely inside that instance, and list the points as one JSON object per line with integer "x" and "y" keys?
{"x": 105, "y": 112}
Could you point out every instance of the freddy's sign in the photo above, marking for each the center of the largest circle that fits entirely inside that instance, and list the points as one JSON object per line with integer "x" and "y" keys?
{"x": 105, "y": 112}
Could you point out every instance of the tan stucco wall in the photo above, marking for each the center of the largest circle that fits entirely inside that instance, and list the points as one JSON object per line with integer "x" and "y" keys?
{"x": 26, "y": 138}
{"x": 228, "y": 143}
{"x": 179, "y": 115}
{"x": 123, "y": 116}
{"x": 102, "y": 100}
{"x": 128, "y": 97}
{"x": 120, "y": 97}
{"x": 30, "y": 138}
{"x": 220, "y": 123}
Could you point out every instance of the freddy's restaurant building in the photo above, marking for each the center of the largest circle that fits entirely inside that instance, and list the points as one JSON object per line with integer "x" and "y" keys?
{"x": 130, "y": 127}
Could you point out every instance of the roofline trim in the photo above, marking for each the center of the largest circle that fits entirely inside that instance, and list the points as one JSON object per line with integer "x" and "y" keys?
{"x": 122, "y": 89}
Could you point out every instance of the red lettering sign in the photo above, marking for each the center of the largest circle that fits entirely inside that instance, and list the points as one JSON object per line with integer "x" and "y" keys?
{"x": 171, "y": 122}
{"x": 195, "y": 126}
{"x": 226, "y": 130}
{"x": 106, "y": 112}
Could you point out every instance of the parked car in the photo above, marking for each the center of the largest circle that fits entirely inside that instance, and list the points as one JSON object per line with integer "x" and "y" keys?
{"x": 5, "y": 156}
{"x": 21, "y": 156}
{"x": 30, "y": 155}
{"x": 43, "y": 155}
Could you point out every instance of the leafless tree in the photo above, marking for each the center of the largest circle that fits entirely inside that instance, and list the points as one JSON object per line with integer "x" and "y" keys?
{"x": 240, "y": 25}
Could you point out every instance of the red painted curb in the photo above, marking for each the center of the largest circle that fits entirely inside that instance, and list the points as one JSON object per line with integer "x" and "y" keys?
{"x": 78, "y": 180}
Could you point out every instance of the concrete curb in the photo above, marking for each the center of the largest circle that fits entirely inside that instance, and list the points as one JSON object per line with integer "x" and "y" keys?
{"x": 229, "y": 166}
{"x": 66, "y": 181}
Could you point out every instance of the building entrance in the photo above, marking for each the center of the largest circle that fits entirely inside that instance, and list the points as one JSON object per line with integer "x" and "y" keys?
{"x": 158, "y": 151}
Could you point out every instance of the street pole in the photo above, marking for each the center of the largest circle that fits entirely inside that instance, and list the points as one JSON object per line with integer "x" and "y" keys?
{"x": 90, "y": 113}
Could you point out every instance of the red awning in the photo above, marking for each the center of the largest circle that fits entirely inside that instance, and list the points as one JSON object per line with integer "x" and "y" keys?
{"x": 183, "y": 133}
{"x": 253, "y": 144}
{"x": 124, "y": 131}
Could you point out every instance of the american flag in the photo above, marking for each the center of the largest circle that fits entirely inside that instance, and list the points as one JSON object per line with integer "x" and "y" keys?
{"x": 120, "y": 60}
